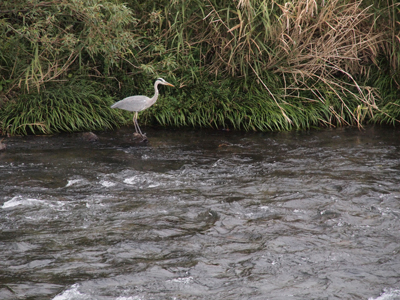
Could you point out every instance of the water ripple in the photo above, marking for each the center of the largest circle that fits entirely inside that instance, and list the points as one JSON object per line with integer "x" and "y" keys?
{"x": 197, "y": 215}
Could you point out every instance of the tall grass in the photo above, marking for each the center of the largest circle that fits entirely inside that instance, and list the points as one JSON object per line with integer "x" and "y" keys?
{"x": 77, "y": 106}
{"x": 322, "y": 51}
{"x": 243, "y": 64}
{"x": 224, "y": 104}
{"x": 46, "y": 42}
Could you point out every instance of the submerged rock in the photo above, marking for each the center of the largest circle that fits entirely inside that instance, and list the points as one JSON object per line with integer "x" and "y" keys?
{"x": 2, "y": 146}
{"x": 89, "y": 137}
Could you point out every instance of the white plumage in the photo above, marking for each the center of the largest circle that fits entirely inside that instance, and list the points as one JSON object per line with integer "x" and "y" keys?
{"x": 139, "y": 103}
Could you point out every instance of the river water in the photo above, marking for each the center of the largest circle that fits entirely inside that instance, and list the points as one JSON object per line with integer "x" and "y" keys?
{"x": 202, "y": 215}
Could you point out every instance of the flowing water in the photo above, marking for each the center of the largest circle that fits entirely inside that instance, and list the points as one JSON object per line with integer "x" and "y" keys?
{"x": 202, "y": 215}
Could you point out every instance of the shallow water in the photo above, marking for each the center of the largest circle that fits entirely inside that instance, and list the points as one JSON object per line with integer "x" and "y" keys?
{"x": 202, "y": 215}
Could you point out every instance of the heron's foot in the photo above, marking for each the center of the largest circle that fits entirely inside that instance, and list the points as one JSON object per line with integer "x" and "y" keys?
{"x": 138, "y": 135}
{"x": 143, "y": 137}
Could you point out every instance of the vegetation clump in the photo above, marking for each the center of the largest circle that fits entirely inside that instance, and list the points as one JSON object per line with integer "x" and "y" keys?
{"x": 241, "y": 64}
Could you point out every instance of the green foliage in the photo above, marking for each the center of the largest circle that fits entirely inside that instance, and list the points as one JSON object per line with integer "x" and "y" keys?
{"x": 48, "y": 41}
{"x": 225, "y": 104}
{"x": 389, "y": 112}
{"x": 77, "y": 106}
{"x": 244, "y": 64}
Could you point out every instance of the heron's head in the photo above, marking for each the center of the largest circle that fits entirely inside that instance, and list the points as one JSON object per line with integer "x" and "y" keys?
{"x": 162, "y": 81}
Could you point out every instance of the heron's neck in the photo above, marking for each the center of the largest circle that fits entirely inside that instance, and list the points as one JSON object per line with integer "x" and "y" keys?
{"x": 154, "y": 99}
{"x": 155, "y": 90}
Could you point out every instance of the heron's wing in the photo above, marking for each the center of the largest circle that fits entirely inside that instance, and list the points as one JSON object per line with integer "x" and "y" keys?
{"x": 132, "y": 103}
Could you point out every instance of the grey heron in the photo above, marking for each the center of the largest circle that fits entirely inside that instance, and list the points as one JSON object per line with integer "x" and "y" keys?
{"x": 139, "y": 103}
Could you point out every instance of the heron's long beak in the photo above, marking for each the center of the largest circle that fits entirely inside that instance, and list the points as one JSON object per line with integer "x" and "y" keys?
{"x": 167, "y": 83}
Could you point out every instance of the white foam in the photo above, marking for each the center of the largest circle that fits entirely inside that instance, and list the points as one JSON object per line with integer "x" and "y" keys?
{"x": 131, "y": 180}
{"x": 265, "y": 208}
{"x": 388, "y": 294}
{"x": 22, "y": 201}
{"x": 18, "y": 200}
{"x": 154, "y": 185}
{"x": 74, "y": 294}
{"x": 73, "y": 181}
{"x": 184, "y": 280}
{"x": 106, "y": 183}
{"x": 71, "y": 293}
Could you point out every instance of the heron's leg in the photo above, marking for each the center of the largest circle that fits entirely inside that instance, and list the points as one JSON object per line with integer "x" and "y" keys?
{"x": 140, "y": 132}
{"x": 135, "y": 122}
{"x": 137, "y": 125}
{"x": 137, "y": 128}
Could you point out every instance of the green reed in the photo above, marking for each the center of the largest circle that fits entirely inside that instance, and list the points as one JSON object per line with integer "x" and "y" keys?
{"x": 77, "y": 106}
{"x": 245, "y": 65}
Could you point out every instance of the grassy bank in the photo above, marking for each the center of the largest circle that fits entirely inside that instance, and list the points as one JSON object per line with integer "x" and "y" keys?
{"x": 247, "y": 65}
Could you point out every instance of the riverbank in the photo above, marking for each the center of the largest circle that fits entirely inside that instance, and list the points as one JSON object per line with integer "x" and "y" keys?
{"x": 247, "y": 65}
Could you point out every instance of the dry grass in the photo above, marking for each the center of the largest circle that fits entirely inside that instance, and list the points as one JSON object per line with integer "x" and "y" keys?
{"x": 328, "y": 45}
{"x": 319, "y": 48}
{"x": 256, "y": 64}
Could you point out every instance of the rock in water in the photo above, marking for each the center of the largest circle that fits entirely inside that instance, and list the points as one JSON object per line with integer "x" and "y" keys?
{"x": 2, "y": 146}
{"x": 90, "y": 137}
